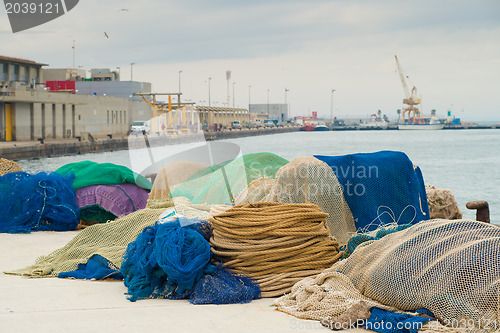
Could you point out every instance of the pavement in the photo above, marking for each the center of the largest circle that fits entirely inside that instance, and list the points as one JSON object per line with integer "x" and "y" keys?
{"x": 64, "y": 305}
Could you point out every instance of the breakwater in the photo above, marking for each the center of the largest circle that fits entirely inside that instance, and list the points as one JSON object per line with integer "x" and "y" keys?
{"x": 39, "y": 149}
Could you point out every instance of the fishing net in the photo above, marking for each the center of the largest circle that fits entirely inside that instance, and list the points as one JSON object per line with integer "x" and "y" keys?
{"x": 360, "y": 192}
{"x": 224, "y": 287}
{"x": 108, "y": 240}
{"x": 166, "y": 260}
{"x": 448, "y": 267}
{"x": 276, "y": 244}
{"x": 221, "y": 183}
{"x": 91, "y": 173}
{"x": 37, "y": 202}
{"x": 7, "y": 166}
{"x": 442, "y": 204}
{"x": 173, "y": 173}
{"x": 307, "y": 179}
{"x": 256, "y": 191}
{"x": 380, "y": 188}
{"x": 101, "y": 203}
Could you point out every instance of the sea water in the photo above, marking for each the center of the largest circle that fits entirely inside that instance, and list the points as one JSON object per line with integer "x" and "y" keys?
{"x": 467, "y": 162}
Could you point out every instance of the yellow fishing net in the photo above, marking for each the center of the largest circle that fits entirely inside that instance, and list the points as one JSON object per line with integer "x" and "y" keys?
{"x": 109, "y": 240}
{"x": 7, "y": 166}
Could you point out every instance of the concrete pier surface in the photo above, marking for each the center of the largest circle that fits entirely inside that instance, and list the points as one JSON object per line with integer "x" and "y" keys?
{"x": 64, "y": 305}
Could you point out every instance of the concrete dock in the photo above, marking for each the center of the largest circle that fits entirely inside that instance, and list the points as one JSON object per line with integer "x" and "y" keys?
{"x": 64, "y": 305}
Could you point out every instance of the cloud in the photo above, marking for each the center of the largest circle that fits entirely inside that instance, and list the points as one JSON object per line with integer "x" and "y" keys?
{"x": 449, "y": 50}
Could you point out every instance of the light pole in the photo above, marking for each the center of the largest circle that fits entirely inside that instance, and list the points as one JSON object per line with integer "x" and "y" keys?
{"x": 268, "y": 102}
{"x": 209, "y": 90}
{"x": 331, "y": 108}
{"x": 180, "y": 81}
{"x": 286, "y": 104}
{"x": 249, "y": 87}
{"x": 131, "y": 71}
{"x": 233, "y": 93}
{"x": 228, "y": 77}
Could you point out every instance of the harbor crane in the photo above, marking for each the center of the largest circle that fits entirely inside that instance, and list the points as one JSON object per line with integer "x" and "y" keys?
{"x": 411, "y": 98}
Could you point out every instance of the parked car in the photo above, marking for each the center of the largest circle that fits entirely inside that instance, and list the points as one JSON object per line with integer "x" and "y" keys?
{"x": 269, "y": 123}
{"x": 140, "y": 127}
{"x": 236, "y": 125}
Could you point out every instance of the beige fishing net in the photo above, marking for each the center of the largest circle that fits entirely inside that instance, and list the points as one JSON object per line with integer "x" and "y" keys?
{"x": 256, "y": 191}
{"x": 307, "y": 179}
{"x": 442, "y": 204}
{"x": 109, "y": 240}
{"x": 172, "y": 174}
{"x": 7, "y": 166}
{"x": 276, "y": 244}
{"x": 448, "y": 267}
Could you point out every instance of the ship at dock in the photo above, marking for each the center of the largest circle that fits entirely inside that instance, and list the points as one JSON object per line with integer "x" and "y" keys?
{"x": 415, "y": 121}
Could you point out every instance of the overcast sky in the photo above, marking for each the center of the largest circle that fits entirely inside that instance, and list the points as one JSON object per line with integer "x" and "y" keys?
{"x": 449, "y": 49}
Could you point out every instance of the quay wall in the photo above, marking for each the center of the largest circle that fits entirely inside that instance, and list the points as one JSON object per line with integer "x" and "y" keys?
{"x": 40, "y": 149}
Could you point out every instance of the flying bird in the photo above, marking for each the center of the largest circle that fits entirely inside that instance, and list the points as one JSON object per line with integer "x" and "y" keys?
{"x": 123, "y": 10}
{"x": 105, "y": 34}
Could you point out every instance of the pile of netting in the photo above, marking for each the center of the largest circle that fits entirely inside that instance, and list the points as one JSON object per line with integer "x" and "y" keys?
{"x": 276, "y": 244}
{"x": 88, "y": 173}
{"x": 106, "y": 191}
{"x": 7, "y": 166}
{"x": 37, "y": 202}
{"x": 172, "y": 174}
{"x": 102, "y": 203}
{"x": 108, "y": 240}
{"x": 360, "y": 192}
{"x": 450, "y": 268}
{"x": 442, "y": 204}
{"x": 167, "y": 259}
{"x": 223, "y": 182}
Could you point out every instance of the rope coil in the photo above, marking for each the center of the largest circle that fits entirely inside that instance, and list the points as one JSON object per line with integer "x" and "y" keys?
{"x": 276, "y": 244}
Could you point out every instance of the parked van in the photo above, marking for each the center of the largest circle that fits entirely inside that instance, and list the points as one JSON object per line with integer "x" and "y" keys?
{"x": 140, "y": 127}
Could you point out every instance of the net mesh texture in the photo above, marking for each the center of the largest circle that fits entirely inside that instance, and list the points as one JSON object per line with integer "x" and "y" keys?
{"x": 447, "y": 267}
{"x": 108, "y": 240}
{"x": 37, "y": 202}
{"x": 7, "y": 166}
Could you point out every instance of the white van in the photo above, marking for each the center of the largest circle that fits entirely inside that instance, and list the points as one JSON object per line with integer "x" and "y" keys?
{"x": 140, "y": 127}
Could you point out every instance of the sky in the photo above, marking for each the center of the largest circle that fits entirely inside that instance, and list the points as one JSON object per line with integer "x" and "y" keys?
{"x": 450, "y": 51}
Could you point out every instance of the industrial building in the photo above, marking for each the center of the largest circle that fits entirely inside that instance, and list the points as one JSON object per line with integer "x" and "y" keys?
{"x": 29, "y": 110}
{"x": 273, "y": 111}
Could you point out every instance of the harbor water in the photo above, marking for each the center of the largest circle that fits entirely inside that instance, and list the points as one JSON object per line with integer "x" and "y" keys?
{"x": 467, "y": 162}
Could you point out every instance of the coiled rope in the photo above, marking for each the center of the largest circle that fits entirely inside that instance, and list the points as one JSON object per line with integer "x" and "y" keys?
{"x": 276, "y": 244}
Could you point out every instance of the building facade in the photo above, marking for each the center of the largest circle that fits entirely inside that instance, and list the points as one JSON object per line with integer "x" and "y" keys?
{"x": 274, "y": 111}
{"x": 21, "y": 71}
{"x": 30, "y": 111}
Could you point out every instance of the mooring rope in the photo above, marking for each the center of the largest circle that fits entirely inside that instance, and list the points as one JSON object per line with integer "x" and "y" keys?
{"x": 276, "y": 244}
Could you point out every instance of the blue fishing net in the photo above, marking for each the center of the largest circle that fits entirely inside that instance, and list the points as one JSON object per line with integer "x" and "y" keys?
{"x": 37, "y": 202}
{"x": 357, "y": 240}
{"x": 166, "y": 260}
{"x": 97, "y": 268}
{"x": 380, "y": 188}
{"x": 224, "y": 287}
{"x": 385, "y": 321}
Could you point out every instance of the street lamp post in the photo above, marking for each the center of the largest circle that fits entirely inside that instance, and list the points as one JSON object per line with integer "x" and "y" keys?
{"x": 209, "y": 104}
{"x": 180, "y": 81}
{"x": 331, "y": 108}
{"x": 233, "y": 93}
{"x": 249, "y": 101}
{"x": 268, "y": 102}
{"x": 131, "y": 71}
{"x": 286, "y": 104}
